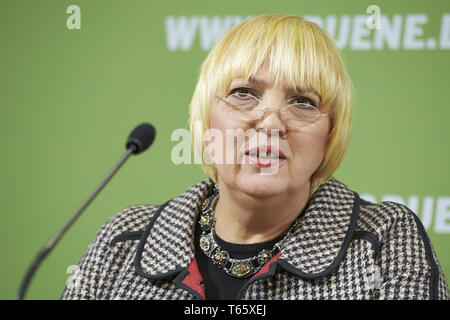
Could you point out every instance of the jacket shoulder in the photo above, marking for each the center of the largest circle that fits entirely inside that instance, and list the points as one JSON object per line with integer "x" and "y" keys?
{"x": 91, "y": 272}
{"x": 405, "y": 252}
{"x": 380, "y": 218}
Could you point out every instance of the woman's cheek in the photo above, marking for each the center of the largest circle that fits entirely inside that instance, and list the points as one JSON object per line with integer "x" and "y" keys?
{"x": 308, "y": 152}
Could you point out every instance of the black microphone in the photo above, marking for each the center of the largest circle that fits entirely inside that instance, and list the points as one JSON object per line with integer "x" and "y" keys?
{"x": 138, "y": 141}
{"x": 141, "y": 137}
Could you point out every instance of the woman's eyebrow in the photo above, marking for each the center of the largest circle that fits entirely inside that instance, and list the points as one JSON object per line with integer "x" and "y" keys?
{"x": 256, "y": 81}
{"x": 250, "y": 80}
{"x": 300, "y": 90}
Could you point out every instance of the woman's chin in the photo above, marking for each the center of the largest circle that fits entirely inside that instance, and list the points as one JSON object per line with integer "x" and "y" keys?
{"x": 261, "y": 185}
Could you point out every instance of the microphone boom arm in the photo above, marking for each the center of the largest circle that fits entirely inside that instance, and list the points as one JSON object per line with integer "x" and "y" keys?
{"x": 55, "y": 239}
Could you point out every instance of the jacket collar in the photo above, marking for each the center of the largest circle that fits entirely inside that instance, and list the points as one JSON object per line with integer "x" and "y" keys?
{"x": 317, "y": 247}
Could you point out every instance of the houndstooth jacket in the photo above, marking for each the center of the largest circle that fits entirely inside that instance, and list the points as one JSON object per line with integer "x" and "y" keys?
{"x": 345, "y": 248}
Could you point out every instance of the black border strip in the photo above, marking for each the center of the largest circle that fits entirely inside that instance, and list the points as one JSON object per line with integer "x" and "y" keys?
{"x": 129, "y": 235}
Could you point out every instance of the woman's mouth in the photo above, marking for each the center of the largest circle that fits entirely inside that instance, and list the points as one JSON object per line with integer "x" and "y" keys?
{"x": 265, "y": 156}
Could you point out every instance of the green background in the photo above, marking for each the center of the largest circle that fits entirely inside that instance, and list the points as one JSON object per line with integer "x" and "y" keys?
{"x": 69, "y": 99}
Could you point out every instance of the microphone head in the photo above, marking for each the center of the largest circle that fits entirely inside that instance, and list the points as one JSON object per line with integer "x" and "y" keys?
{"x": 141, "y": 138}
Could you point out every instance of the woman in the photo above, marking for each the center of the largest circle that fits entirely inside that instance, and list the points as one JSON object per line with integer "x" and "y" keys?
{"x": 272, "y": 223}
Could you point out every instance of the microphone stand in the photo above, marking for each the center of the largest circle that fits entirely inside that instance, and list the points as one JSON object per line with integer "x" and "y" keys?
{"x": 54, "y": 240}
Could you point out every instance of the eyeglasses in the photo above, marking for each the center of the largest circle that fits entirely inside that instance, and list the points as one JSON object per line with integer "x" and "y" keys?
{"x": 247, "y": 107}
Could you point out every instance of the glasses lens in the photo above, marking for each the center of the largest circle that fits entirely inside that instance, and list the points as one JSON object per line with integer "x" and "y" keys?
{"x": 242, "y": 106}
{"x": 301, "y": 114}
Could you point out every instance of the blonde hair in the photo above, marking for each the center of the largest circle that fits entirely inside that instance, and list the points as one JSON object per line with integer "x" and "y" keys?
{"x": 300, "y": 55}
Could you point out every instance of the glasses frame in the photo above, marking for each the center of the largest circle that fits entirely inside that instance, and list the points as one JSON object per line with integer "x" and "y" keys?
{"x": 278, "y": 110}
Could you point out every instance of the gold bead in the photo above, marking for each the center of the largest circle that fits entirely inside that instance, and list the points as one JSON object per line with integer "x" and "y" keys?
{"x": 205, "y": 203}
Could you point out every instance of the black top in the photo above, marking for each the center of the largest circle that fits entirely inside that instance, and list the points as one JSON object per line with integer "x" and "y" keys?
{"x": 218, "y": 284}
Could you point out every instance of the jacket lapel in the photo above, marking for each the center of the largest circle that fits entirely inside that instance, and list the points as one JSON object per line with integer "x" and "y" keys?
{"x": 322, "y": 239}
{"x": 167, "y": 245}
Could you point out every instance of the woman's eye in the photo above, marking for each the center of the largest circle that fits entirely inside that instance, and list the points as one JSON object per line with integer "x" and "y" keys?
{"x": 304, "y": 100}
{"x": 241, "y": 92}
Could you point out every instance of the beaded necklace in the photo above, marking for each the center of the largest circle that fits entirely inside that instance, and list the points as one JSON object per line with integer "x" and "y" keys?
{"x": 238, "y": 268}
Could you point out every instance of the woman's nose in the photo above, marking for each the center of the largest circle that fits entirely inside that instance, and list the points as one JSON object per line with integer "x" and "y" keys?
{"x": 271, "y": 120}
